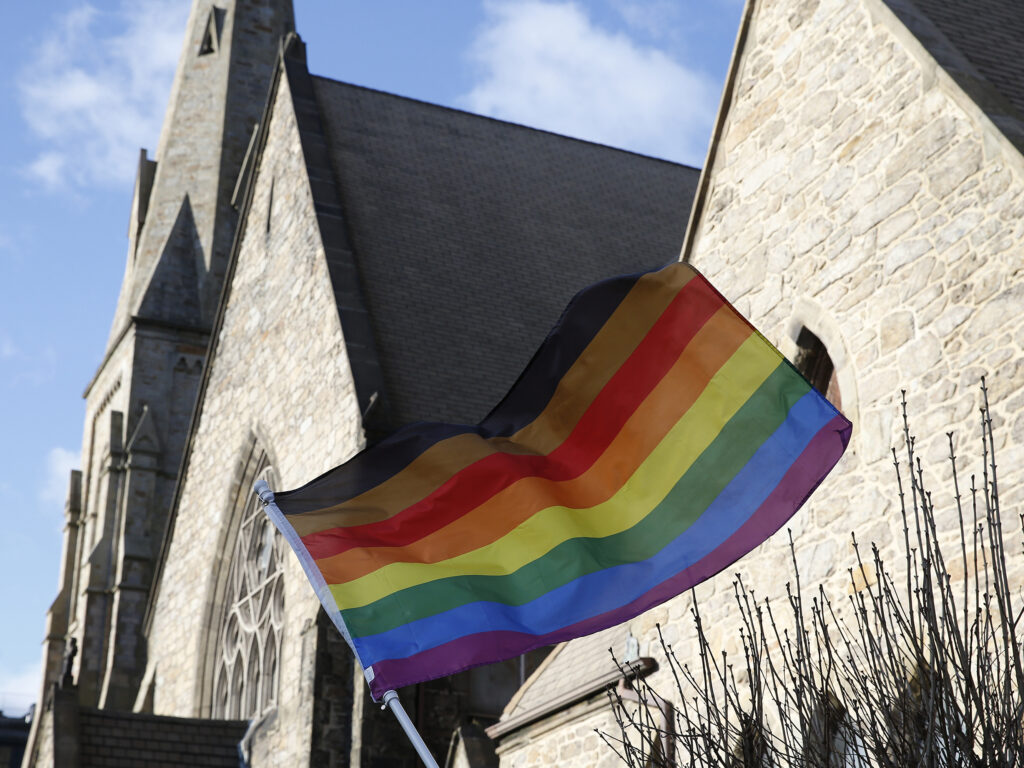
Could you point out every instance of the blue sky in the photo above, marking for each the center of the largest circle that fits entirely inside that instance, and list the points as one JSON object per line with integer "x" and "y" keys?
{"x": 84, "y": 85}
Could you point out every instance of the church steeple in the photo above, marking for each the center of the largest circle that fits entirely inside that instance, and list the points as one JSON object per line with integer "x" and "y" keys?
{"x": 180, "y": 232}
{"x": 225, "y": 66}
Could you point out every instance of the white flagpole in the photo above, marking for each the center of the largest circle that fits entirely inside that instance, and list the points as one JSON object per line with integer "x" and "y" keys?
{"x": 390, "y": 698}
{"x": 391, "y": 701}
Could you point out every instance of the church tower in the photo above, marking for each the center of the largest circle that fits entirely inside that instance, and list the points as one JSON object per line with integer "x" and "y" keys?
{"x": 140, "y": 401}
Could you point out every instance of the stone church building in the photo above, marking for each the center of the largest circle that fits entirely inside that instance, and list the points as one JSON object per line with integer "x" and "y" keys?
{"x": 312, "y": 263}
{"x": 862, "y": 204}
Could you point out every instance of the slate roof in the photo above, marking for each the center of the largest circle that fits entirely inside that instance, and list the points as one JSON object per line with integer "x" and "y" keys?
{"x": 470, "y": 235}
{"x": 571, "y": 665}
{"x": 980, "y": 45}
{"x": 990, "y": 34}
{"x": 122, "y": 738}
{"x": 13, "y": 737}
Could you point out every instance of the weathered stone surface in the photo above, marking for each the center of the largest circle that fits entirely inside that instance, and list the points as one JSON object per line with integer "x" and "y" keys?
{"x": 282, "y": 274}
{"x": 818, "y": 107}
{"x": 897, "y": 328}
{"x": 905, "y": 252}
{"x": 140, "y": 402}
{"x": 895, "y": 226}
{"x": 995, "y": 316}
{"x": 933, "y": 138}
{"x": 873, "y": 155}
{"x": 920, "y": 357}
{"x": 817, "y": 561}
{"x": 899, "y": 244}
{"x": 837, "y": 184}
{"x": 853, "y": 194}
{"x": 762, "y": 172}
{"x": 810, "y": 235}
{"x": 885, "y": 204}
{"x": 953, "y": 167}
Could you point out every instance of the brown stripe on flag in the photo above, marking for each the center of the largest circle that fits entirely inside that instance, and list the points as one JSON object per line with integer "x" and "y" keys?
{"x": 612, "y": 346}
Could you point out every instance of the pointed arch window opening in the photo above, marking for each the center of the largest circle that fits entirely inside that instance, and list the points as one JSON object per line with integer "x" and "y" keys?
{"x": 211, "y": 34}
{"x": 813, "y": 361}
{"x": 246, "y": 671}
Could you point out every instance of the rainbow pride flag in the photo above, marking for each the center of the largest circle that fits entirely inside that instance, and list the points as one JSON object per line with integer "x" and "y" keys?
{"x": 655, "y": 438}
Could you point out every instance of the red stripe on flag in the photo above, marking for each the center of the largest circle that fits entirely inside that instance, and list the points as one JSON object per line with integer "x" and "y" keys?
{"x": 631, "y": 384}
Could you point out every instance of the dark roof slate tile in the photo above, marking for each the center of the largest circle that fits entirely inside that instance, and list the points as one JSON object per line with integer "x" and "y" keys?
{"x": 123, "y": 738}
{"x": 471, "y": 234}
{"x": 990, "y": 34}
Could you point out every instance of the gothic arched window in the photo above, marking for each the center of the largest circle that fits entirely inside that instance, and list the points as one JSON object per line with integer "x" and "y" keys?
{"x": 249, "y": 643}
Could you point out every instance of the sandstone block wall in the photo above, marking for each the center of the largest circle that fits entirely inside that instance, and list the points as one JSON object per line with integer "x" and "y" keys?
{"x": 44, "y": 741}
{"x": 125, "y": 492}
{"x": 856, "y": 192}
{"x": 150, "y": 363}
{"x": 108, "y": 394}
{"x": 569, "y": 738}
{"x": 280, "y": 372}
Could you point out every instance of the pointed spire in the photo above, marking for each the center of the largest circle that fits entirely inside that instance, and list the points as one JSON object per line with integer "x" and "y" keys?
{"x": 180, "y": 232}
{"x": 227, "y": 60}
{"x": 172, "y": 294}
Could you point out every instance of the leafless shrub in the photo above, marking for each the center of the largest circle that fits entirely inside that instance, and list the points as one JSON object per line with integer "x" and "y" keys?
{"x": 916, "y": 669}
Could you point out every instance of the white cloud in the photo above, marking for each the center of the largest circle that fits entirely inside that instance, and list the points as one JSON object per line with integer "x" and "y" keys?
{"x": 19, "y": 688}
{"x": 98, "y": 88}
{"x": 59, "y": 463}
{"x": 8, "y": 349}
{"x": 546, "y": 64}
{"x": 652, "y": 17}
{"x": 48, "y": 168}
{"x": 25, "y": 366}
{"x": 34, "y": 367}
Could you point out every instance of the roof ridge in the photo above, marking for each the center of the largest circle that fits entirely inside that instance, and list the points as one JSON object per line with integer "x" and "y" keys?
{"x": 147, "y": 716}
{"x": 961, "y": 68}
{"x": 512, "y": 123}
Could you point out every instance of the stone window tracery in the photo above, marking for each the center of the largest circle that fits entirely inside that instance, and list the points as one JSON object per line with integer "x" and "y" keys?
{"x": 249, "y": 642}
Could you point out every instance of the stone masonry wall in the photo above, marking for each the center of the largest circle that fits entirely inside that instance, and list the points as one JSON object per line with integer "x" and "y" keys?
{"x": 853, "y": 194}
{"x": 188, "y": 157}
{"x": 150, "y": 365}
{"x": 40, "y": 751}
{"x": 280, "y": 371}
{"x": 856, "y": 193}
{"x": 215, "y": 100}
{"x": 107, "y": 400}
{"x": 570, "y": 738}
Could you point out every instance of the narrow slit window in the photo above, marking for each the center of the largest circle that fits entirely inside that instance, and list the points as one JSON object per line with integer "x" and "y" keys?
{"x": 270, "y": 207}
